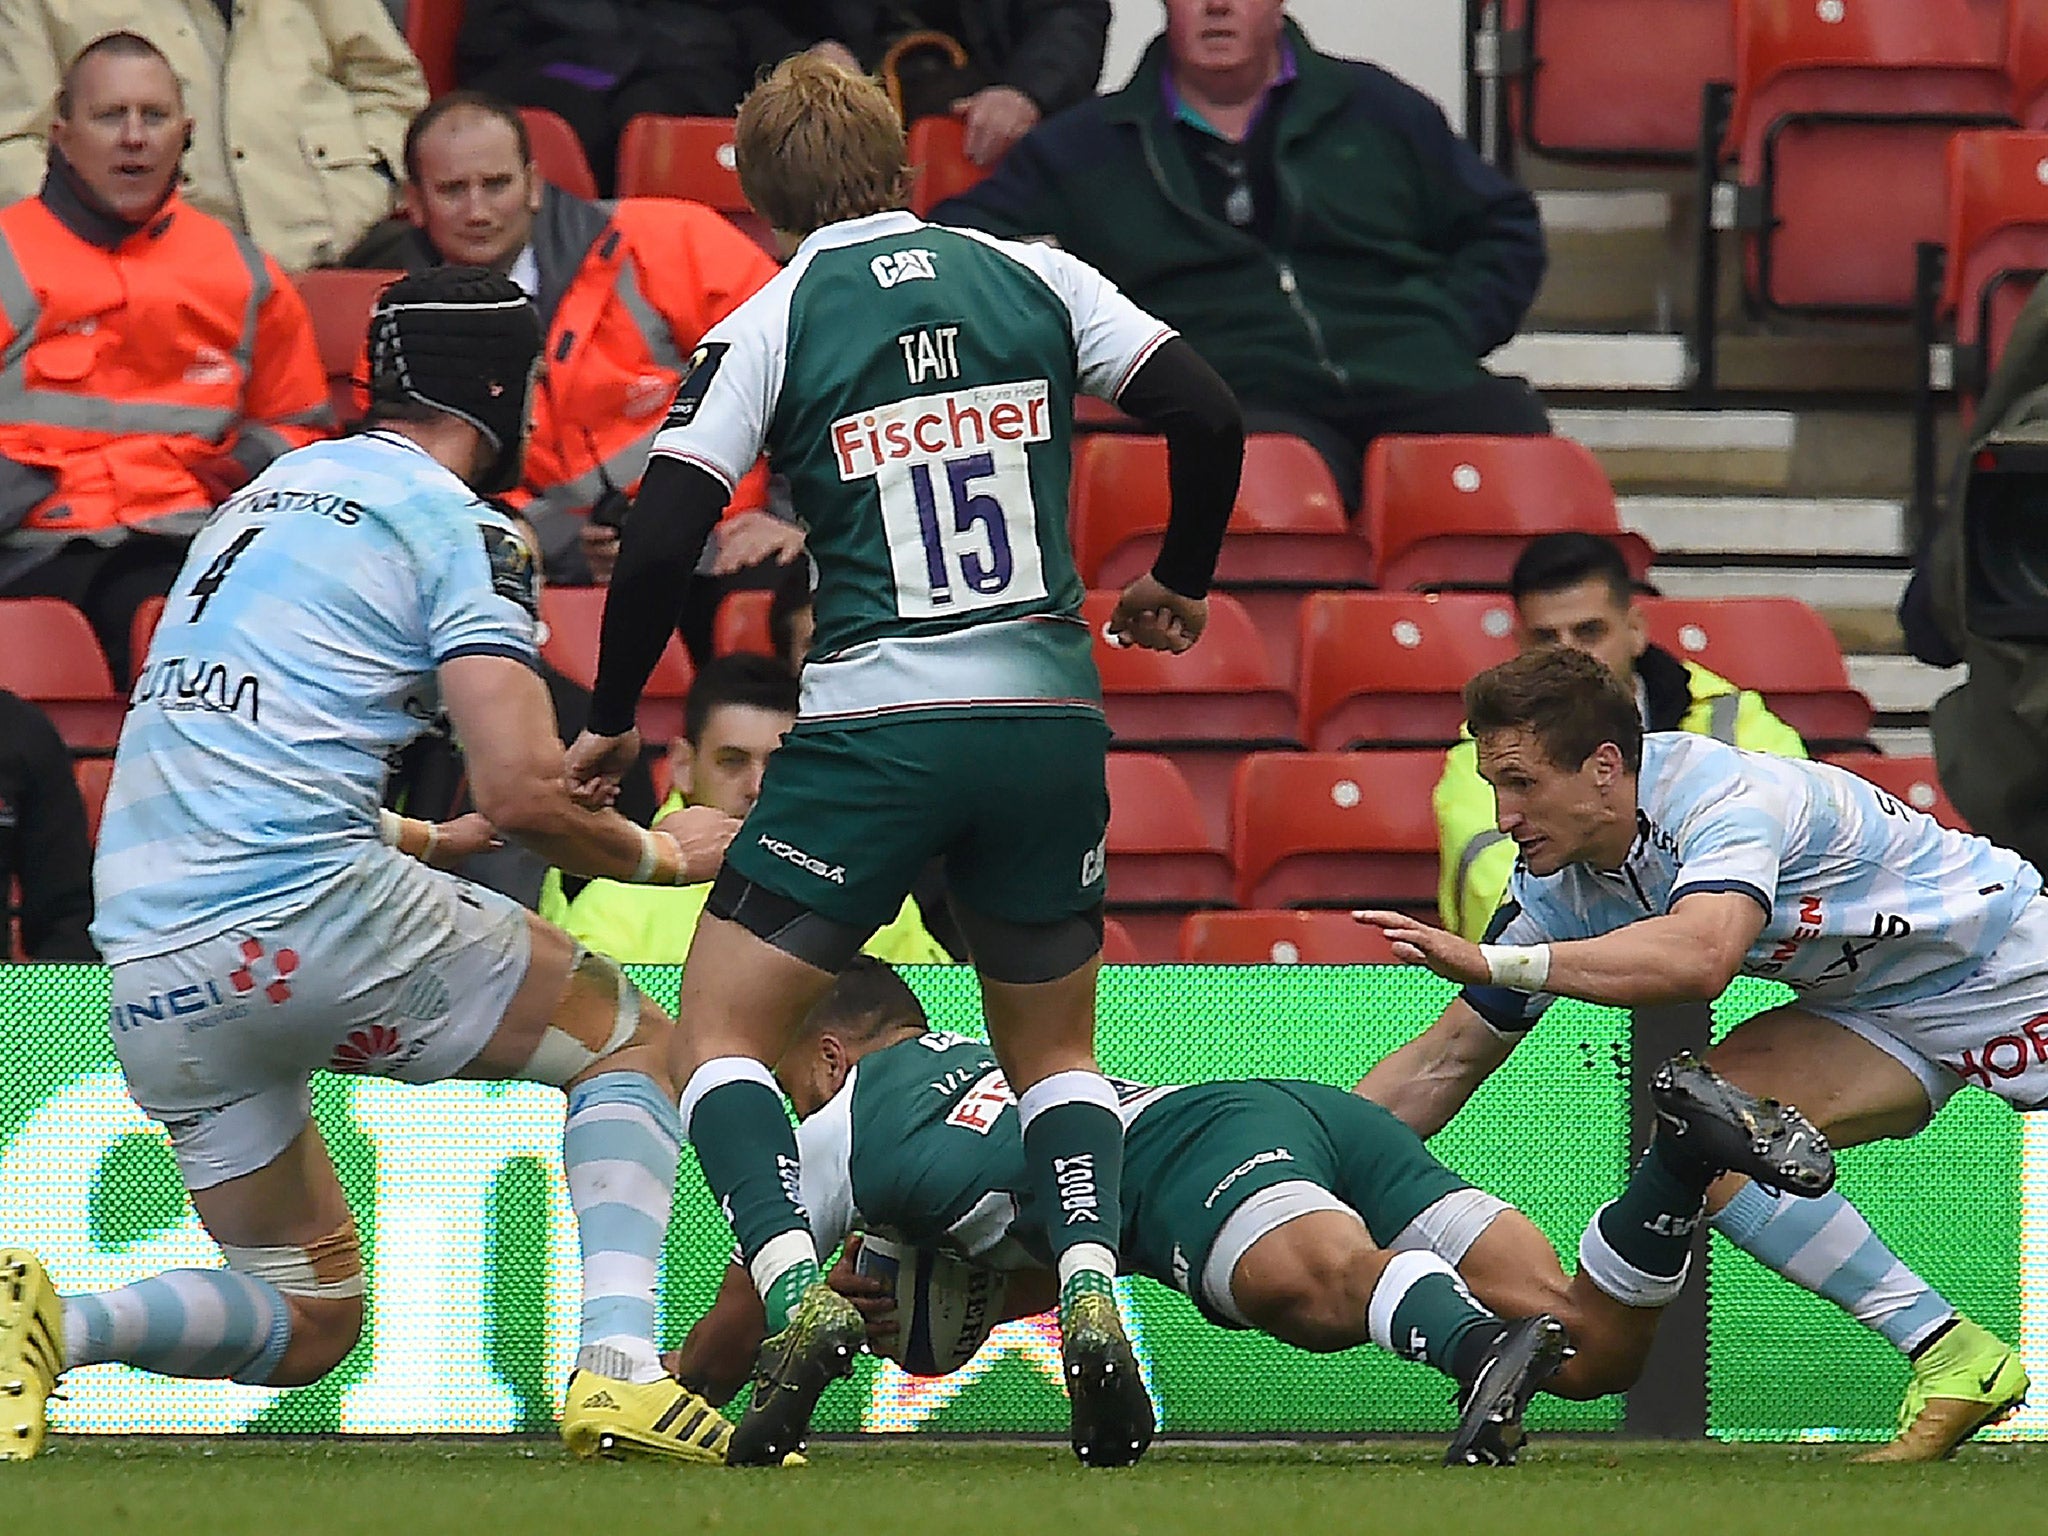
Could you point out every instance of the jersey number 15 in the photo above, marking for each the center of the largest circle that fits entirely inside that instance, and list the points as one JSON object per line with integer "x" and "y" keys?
{"x": 963, "y": 532}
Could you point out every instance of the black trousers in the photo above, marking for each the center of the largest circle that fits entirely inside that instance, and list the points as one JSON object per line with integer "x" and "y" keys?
{"x": 107, "y": 585}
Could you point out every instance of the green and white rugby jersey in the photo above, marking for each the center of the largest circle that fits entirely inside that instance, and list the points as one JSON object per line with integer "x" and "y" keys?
{"x": 916, "y": 385}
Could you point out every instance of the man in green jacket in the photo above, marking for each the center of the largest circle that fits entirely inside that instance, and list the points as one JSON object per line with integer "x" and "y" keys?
{"x": 1311, "y": 224}
{"x": 739, "y": 708}
{"x": 1574, "y": 589}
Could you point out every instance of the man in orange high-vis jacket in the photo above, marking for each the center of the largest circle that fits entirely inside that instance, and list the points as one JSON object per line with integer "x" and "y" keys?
{"x": 625, "y": 290}
{"x": 151, "y": 360}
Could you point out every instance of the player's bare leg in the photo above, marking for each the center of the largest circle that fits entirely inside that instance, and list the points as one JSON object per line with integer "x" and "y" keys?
{"x": 742, "y": 1002}
{"x": 1964, "y": 1377}
{"x": 1044, "y": 1036}
{"x": 1318, "y": 1282}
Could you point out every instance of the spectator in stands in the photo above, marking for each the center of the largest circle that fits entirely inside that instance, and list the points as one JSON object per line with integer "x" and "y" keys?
{"x": 625, "y": 289}
{"x": 1000, "y": 66}
{"x": 739, "y": 708}
{"x": 298, "y": 108}
{"x": 155, "y": 360}
{"x": 1311, "y": 224}
{"x": 44, "y": 844}
{"x": 598, "y": 63}
{"x": 1574, "y": 589}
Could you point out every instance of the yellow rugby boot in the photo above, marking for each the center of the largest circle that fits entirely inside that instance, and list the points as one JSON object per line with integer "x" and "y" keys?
{"x": 603, "y": 1416}
{"x": 1966, "y": 1380}
{"x": 31, "y": 1351}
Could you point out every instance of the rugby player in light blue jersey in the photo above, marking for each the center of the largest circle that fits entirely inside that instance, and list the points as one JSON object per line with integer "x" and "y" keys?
{"x": 264, "y": 920}
{"x": 1656, "y": 869}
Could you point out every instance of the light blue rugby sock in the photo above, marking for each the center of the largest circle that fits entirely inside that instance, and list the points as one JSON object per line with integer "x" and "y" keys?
{"x": 213, "y": 1324}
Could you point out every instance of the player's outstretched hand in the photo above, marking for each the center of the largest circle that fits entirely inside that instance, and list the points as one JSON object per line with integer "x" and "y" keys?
{"x": 1418, "y": 943}
{"x": 1154, "y": 616}
{"x": 595, "y": 764}
{"x": 872, "y": 1296}
{"x": 461, "y": 838}
{"x": 703, "y": 833}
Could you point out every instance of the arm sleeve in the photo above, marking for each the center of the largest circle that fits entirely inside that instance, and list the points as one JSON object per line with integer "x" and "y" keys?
{"x": 1058, "y": 57}
{"x": 1180, "y": 395}
{"x": 386, "y": 89}
{"x": 284, "y": 404}
{"x": 54, "y": 850}
{"x": 1506, "y": 1011}
{"x": 679, "y": 502}
{"x": 29, "y": 69}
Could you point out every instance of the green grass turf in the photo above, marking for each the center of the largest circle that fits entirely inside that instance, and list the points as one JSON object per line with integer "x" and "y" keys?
{"x": 512, "y": 1488}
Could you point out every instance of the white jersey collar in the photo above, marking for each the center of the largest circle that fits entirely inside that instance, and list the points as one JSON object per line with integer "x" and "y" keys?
{"x": 859, "y": 231}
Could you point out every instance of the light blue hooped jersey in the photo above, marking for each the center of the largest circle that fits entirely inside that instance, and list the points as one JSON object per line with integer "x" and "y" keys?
{"x": 295, "y": 659}
{"x": 1870, "y": 903}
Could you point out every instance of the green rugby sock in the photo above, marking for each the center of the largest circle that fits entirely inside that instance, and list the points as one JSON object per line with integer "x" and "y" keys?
{"x": 1421, "y": 1310}
{"x": 1650, "y": 1226}
{"x": 1074, "y": 1148}
{"x": 735, "y": 1117}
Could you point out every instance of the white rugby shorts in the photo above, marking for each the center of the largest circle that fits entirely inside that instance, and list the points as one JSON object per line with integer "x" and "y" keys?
{"x": 395, "y": 970}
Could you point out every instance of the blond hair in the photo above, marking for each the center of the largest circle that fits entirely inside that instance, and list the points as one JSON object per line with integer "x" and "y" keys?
{"x": 817, "y": 143}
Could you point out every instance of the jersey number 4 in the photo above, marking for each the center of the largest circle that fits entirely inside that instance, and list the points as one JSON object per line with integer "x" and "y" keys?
{"x": 963, "y": 532}
{"x": 210, "y": 579}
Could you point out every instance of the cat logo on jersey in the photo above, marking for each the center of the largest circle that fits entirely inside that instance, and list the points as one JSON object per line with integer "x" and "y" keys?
{"x": 697, "y": 376}
{"x": 903, "y": 267}
{"x": 512, "y": 568}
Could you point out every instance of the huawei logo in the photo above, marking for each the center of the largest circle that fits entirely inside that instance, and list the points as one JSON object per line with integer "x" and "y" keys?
{"x": 368, "y": 1049}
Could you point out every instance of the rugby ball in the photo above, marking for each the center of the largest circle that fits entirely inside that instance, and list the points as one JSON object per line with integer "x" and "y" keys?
{"x": 945, "y": 1308}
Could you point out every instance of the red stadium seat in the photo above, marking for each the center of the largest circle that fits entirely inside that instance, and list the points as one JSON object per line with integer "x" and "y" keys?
{"x": 1388, "y": 668}
{"x": 688, "y": 157}
{"x": 1842, "y": 114}
{"x": 1911, "y": 779}
{"x": 1161, "y": 853}
{"x": 558, "y": 152}
{"x": 50, "y": 656}
{"x": 1456, "y": 511}
{"x": 1281, "y": 938}
{"x": 1775, "y": 645}
{"x": 93, "y": 774}
{"x": 938, "y": 153}
{"x": 2026, "y": 52}
{"x": 340, "y": 300}
{"x": 431, "y": 27}
{"x": 141, "y": 630}
{"x": 1118, "y": 947}
{"x": 574, "y": 617}
{"x": 1331, "y": 829}
{"x": 1617, "y": 79}
{"x": 1997, "y": 242}
{"x": 1223, "y": 690}
{"x": 1288, "y": 526}
{"x": 742, "y": 624}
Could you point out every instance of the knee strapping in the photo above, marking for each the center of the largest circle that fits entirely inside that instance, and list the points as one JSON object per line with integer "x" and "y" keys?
{"x": 327, "y": 1269}
{"x": 562, "y": 1056}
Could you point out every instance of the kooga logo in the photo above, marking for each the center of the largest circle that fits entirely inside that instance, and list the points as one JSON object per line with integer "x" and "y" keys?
{"x": 836, "y": 873}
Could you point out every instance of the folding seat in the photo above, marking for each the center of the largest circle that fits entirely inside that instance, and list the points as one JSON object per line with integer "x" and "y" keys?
{"x": 1911, "y": 779}
{"x": 93, "y": 774}
{"x": 1387, "y": 669}
{"x": 574, "y": 617}
{"x": 50, "y": 656}
{"x": 1614, "y": 79}
{"x": 141, "y": 630}
{"x": 1997, "y": 243}
{"x": 2026, "y": 52}
{"x": 340, "y": 300}
{"x": 1163, "y": 860}
{"x": 558, "y": 152}
{"x": 742, "y": 624}
{"x": 1842, "y": 114}
{"x": 1775, "y": 645}
{"x": 688, "y": 157}
{"x": 938, "y": 153}
{"x": 1281, "y": 938}
{"x": 431, "y": 27}
{"x": 1336, "y": 829}
{"x": 1287, "y": 528}
{"x": 1456, "y": 511}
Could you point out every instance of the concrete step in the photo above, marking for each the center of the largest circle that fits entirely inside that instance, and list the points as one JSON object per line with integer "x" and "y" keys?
{"x": 1590, "y": 362}
{"x": 1903, "y": 740}
{"x": 1901, "y": 686}
{"x": 1691, "y": 526}
{"x": 1832, "y": 453}
{"x": 1819, "y": 587}
{"x": 1614, "y": 263}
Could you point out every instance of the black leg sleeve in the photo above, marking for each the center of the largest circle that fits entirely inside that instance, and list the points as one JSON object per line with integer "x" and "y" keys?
{"x": 1183, "y": 397}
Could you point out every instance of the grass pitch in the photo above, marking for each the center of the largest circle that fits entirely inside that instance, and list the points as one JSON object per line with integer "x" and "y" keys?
{"x": 532, "y": 1488}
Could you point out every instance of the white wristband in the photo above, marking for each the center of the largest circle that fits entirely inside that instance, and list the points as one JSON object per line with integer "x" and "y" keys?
{"x": 389, "y": 825}
{"x": 1521, "y": 967}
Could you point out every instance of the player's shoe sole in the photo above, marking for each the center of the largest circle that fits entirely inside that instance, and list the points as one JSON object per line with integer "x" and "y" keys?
{"x": 791, "y": 1372}
{"x": 31, "y": 1352}
{"x": 1490, "y": 1430}
{"x": 602, "y": 1416}
{"x": 1111, "y": 1410}
{"x": 1725, "y": 1127}
{"x": 1967, "y": 1381}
